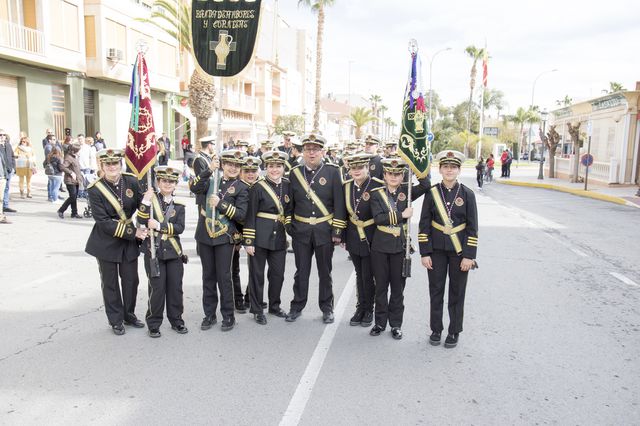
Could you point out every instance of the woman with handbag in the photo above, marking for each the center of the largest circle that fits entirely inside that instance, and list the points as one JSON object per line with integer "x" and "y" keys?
{"x": 25, "y": 165}
{"x": 53, "y": 170}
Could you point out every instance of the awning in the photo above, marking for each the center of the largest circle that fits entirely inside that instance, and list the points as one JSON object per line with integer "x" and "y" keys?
{"x": 185, "y": 112}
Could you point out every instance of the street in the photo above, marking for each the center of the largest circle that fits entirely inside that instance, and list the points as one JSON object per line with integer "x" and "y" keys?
{"x": 551, "y": 333}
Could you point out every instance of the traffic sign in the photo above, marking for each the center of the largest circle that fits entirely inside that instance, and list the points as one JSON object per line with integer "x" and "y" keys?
{"x": 586, "y": 160}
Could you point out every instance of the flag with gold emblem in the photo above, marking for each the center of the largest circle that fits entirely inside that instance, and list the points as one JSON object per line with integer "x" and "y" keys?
{"x": 415, "y": 137}
{"x": 140, "y": 153}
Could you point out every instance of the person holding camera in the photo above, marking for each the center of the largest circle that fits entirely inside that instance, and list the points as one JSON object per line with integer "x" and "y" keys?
{"x": 165, "y": 271}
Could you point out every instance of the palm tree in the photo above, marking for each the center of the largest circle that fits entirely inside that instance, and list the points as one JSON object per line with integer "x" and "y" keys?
{"x": 382, "y": 109}
{"x": 375, "y": 101}
{"x": 390, "y": 125}
{"x": 520, "y": 118}
{"x": 318, "y": 6}
{"x": 564, "y": 102}
{"x": 475, "y": 54}
{"x": 615, "y": 87}
{"x": 361, "y": 116}
{"x": 174, "y": 18}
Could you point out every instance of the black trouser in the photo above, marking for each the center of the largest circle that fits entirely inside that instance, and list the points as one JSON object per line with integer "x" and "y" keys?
{"x": 235, "y": 277}
{"x": 443, "y": 262}
{"x": 387, "y": 270}
{"x": 479, "y": 179}
{"x": 216, "y": 274}
{"x": 504, "y": 170}
{"x": 324, "y": 257}
{"x": 276, "y": 260}
{"x": 364, "y": 282}
{"x": 71, "y": 200}
{"x": 119, "y": 306}
{"x": 167, "y": 288}
{"x": 509, "y": 169}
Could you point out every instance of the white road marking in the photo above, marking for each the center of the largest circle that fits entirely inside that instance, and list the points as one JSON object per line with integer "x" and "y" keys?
{"x": 45, "y": 279}
{"x": 624, "y": 279}
{"x": 301, "y": 396}
{"x": 578, "y": 252}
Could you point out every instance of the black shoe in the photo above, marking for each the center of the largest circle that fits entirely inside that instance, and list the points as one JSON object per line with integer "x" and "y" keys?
{"x": 367, "y": 319}
{"x": 396, "y": 333}
{"x": 180, "y": 329}
{"x": 292, "y": 316}
{"x": 434, "y": 339}
{"x": 241, "y": 308}
{"x": 228, "y": 323}
{"x": 60, "y": 215}
{"x": 154, "y": 332}
{"x": 451, "y": 341}
{"x": 135, "y": 323}
{"x": 356, "y": 319}
{"x": 278, "y": 312}
{"x": 208, "y": 322}
{"x": 76, "y": 216}
{"x": 118, "y": 329}
{"x": 260, "y": 319}
{"x": 264, "y": 305}
{"x": 327, "y": 317}
{"x": 9, "y": 210}
{"x": 62, "y": 189}
{"x": 376, "y": 330}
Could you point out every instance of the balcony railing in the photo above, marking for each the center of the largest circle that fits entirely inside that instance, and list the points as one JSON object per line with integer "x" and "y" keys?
{"x": 18, "y": 37}
{"x": 233, "y": 100}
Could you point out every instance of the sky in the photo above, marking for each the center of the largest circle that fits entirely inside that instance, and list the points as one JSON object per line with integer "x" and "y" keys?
{"x": 589, "y": 43}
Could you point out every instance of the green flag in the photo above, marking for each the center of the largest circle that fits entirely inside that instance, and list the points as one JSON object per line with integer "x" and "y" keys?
{"x": 415, "y": 137}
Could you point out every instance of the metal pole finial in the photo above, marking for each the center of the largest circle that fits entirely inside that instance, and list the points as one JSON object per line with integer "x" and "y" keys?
{"x": 413, "y": 46}
{"x": 142, "y": 46}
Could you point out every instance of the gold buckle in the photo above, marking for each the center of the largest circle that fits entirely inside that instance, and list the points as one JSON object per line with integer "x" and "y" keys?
{"x": 313, "y": 220}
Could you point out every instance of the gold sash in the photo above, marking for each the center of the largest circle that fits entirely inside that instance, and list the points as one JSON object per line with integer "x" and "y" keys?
{"x": 448, "y": 225}
{"x": 273, "y": 196}
{"x": 360, "y": 225}
{"x": 310, "y": 193}
{"x": 160, "y": 214}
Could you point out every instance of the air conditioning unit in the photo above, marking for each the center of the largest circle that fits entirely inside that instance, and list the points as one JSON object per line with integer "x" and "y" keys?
{"x": 114, "y": 54}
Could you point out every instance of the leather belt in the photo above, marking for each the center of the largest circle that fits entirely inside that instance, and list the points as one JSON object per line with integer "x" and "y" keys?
{"x": 446, "y": 231}
{"x": 313, "y": 220}
{"x": 393, "y": 230}
{"x": 271, "y": 216}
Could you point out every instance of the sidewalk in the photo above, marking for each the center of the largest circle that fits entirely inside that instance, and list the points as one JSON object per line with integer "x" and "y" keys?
{"x": 527, "y": 175}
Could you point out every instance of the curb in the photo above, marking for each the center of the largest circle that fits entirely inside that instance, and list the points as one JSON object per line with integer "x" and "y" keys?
{"x": 578, "y": 192}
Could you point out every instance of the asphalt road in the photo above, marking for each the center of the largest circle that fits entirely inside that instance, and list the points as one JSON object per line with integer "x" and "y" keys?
{"x": 551, "y": 334}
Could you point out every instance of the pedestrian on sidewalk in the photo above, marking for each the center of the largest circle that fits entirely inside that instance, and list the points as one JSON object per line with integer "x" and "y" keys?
{"x": 448, "y": 239}
{"x": 480, "y": 173}
{"x": 184, "y": 143}
{"x": 72, "y": 176}
{"x": 3, "y": 178}
{"x": 509, "y": 161}
{"x": 10, "y": 165}
{"x": 55, "y": 160}
{"x": 490, "y": 166}
{"x": 25, "y": 165}
{"x": 98, "y": 142}
{"x": 503, "y": 162}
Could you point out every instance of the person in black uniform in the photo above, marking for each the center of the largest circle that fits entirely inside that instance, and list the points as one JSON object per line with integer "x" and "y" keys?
{"x": 242, "y": 145}
{"x": 114, "y": 240}
{"x": 359, "y": 233}
{"x": 390, "y": 149}
{"x": 248, "y": 175}
{"x": 448, "y": 240}
{"x": 265, "y": 146}
{"x": 287, "y": 144}
{"x": 167, "y": 224}
{"x": 319, "y": 215}
{"x": 217, "y": 234}
{"x": 265, "y": 238}
{"x": 389, "y": 207}
{"x": 202, "y": 162}
{"x": 371, "y": 144}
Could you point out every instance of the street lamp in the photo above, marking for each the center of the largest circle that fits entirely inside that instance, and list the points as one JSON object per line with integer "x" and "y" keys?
{"x": 533, "y": 91}
{"x": 543, "y": 117}
{"x": 349, "y": 86}
{"x": 430, "y": 89}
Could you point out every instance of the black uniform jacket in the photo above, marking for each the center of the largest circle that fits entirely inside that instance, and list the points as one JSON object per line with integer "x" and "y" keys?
{"x": 234, "y": 200}
{"x": 167, "y": 239}
{"x": 358, "y": 203}
{"x": 390, "y": 219}
{"x": 200, "y": 164}
{"x": 265, "y": 223}
{"x": 464, "y": 211}
{"x": 375, "y": 167}
{"x": 327, "y": 187}
{"x": 113, "y": 238}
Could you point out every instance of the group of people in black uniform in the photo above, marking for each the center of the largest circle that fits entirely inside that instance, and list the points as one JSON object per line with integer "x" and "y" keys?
{"x": 312, "y": 203}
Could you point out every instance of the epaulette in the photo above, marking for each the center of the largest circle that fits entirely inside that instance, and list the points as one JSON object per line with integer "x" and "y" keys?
{"x": 94, "y": 182}
{"x": 129, "y": 174}
{"x": 380, "y": 188}
{"x": 347, "y": 181}
{"x": 377, "y": 180}
{"x": 331, "y": 164}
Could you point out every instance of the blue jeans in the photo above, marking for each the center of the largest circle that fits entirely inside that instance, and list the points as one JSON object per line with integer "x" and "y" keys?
{"x": 53, "y": 186}
{"x": 5, "y": 200}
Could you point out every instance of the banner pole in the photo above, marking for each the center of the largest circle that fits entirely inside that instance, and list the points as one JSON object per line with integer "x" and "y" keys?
{"x": 406, "y": 266}
{"x": 152, "y": 239}
{"x": 219, "y": 145}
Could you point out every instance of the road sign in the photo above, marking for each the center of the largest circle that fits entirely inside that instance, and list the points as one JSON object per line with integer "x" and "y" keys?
{"x": 589, "y": 128}
{"x": 490, "y": 131}
{"x": 586, "y": 160}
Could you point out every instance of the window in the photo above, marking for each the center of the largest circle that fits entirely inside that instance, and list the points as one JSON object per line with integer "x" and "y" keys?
{"x": 64, "y": 21}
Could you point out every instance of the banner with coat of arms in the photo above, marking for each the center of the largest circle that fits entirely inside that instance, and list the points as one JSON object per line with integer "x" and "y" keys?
{"x": 141, "y": 149}
{"x": 415, "y": 137}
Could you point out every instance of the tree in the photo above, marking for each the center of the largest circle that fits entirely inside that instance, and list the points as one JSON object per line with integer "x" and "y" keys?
{"x": 615, "y": 87}
{"x": 521, "y": 117}
{"x": 375, "y": 101}
{"x": 564, "y": 102}
{"x": 361, "y": 116}
{"x": 318, "y": 7}
{"x": 460, "y": 117}
{"x": 551, "y": 140}
{"x": 382, "y": 109}
{"x": 293, "y": 123}
{"x": 475, "y": 54}
{"x": 389, "y": 127}
{"x": 174, "y": 18}
{"x": 493, "y": 98}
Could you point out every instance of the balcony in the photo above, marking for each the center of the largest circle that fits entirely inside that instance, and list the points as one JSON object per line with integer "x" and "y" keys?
{"x": 22, "y": 38}
{"x": 275, "y": 91}
{"x": 238, "y": 102}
